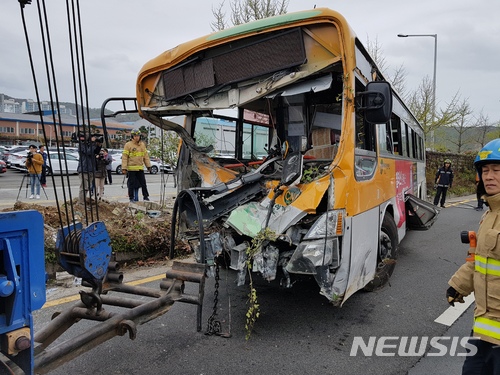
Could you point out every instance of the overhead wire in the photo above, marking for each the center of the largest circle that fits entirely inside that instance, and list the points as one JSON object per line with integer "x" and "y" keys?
{"x": 52, "y": 91}
{"x": 37, "y": 93}
{"x": 80, "y": 91}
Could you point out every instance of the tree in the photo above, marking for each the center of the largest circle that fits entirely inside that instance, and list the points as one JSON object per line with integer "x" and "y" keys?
{"x": 397, "y": 78}
{"x": 165, "y": 147}
{"x": 482, "y": 127}
{"x": 144, "y": 133}
{"x": 462, "y": 125}
{"x": 243, "y": 11}
{"x": 420, "y": 103}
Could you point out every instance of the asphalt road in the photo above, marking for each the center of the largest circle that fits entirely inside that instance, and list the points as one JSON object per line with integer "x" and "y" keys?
{"x": 298, "y": 332}
{"x": 14, "y": 186}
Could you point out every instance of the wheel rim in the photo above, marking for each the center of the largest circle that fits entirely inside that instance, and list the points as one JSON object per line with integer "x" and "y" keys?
{"x": 385, "y": 248}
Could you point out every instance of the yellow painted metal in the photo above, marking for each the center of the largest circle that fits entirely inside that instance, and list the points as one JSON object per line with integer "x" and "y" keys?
{"x": 149, "y": 78}
{"x": 213, "y": 174}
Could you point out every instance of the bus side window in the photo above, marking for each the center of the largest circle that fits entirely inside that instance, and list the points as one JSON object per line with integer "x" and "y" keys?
{"x": 364, "y": 166}
{"x": 384, "y": 138}
{"x": 365, "y": 132}
{"x": 396, "y": 134}
{"x": 388, "y": 135}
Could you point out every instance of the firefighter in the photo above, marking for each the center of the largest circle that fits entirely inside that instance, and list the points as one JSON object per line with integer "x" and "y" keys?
{"x": 444, "y": 179}
{"x": 480, "y": 274}
{"x": 134, "y": 158}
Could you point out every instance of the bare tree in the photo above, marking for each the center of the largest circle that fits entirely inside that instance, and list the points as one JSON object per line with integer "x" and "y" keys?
{"x": 220, "y": 18}
{"x": 243, "y": 11}
{"x": 482, "y": 128}
{"x": 397, "y": 78}
{"x": 462, "y": 125}
{"x": 420, "y": 102}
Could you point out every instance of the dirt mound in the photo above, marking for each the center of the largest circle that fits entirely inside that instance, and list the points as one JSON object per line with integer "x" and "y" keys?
{"x": 139, "y": 231}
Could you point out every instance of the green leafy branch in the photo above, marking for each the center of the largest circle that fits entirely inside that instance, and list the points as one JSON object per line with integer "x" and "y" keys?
{"x": 310, "y": 174}
{"x": 253, "y": 312}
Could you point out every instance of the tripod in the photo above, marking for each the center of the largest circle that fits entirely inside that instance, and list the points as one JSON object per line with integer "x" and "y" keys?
{"x": 27, "y": 174}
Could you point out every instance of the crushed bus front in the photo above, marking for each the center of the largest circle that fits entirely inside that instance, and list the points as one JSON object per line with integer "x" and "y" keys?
{"x": 293, "y": 152}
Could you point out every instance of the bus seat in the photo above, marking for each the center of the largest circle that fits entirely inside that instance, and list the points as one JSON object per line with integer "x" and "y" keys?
{"x": 322, "y": 144}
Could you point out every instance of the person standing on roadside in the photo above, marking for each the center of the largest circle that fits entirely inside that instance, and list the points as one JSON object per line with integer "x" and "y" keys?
{"x": 100, "y": 173}
{"x": 34, "y": 163}
{"x": 86, "y": 164}
{"x": 443, "y": 181}
{"x": 43, "y": 176}
{"x": 479, "y": 274}
{"x": 109, "y": 171}
{"x": 134, "y": 158}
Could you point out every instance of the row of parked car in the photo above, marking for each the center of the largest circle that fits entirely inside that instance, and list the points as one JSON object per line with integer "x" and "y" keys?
{"x": 65, "y": 160}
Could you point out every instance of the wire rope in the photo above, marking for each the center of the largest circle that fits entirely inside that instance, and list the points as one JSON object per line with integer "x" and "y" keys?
{"x": 66, "y": 213}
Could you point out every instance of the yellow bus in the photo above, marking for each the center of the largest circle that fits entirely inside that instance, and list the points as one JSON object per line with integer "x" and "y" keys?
{"x": 288, "y": 125}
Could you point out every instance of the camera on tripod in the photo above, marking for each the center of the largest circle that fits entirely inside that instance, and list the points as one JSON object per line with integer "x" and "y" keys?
{"x": 98, "y": 137}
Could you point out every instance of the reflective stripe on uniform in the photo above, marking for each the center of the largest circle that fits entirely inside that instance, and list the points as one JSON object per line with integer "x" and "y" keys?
{"x": 487, "y": 327}
{"x": 136, "y": 153}
{"x": 135, "y": 168}
{"x": 487, "y": 266}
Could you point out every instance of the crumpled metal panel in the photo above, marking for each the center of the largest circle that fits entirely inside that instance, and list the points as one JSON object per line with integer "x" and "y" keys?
{"x": 250, "y": 219}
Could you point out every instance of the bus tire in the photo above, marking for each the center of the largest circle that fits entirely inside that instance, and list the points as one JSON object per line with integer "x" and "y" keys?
{"x": 388, "y": 251}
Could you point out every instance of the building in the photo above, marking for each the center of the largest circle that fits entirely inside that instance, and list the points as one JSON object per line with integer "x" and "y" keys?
{"x": 17, "y": 128}
{"x": 11, "y": 105}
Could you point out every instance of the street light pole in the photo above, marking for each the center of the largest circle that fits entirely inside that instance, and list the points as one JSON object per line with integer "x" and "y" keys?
{"x": 433, "y": 78}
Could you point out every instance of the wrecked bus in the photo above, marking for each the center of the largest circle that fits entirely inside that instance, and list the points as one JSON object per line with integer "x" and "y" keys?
{"x": 288, "y": 126}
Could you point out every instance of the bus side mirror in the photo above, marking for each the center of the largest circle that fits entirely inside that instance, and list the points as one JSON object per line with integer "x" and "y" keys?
{"x": 376, "y": 102}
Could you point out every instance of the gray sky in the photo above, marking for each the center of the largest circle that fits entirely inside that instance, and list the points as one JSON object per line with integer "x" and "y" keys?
{"x": 120, "y": 36}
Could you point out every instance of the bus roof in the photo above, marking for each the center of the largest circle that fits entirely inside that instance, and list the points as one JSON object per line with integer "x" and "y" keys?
{"x": 147, "y": 76}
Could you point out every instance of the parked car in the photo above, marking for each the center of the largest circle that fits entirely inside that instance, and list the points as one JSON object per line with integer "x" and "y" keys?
{"x": 69, "y": 163}
{"x": 18, "y": 151}
{"x": 3, "y": 156}
{"x": 3, "y": 166}
{"x": 16, "y": 160}
{"x": 117, "y": 165}
{"x": 167, "y": 168}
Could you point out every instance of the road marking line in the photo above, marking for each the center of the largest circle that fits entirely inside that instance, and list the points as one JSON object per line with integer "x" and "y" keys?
{"x": 451, "y": 314}
{"x": 76, "y": 297}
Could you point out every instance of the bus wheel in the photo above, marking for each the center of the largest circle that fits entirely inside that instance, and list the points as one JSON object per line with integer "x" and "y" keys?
{"x": 388, "y": 250}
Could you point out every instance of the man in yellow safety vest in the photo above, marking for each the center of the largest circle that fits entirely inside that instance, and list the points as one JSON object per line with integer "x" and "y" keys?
{"x": 134, "y": 157}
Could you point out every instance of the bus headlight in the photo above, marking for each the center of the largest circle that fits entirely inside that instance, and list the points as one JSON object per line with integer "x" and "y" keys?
{"x": 312, "y": 254}
{"x": 329, "y": 224}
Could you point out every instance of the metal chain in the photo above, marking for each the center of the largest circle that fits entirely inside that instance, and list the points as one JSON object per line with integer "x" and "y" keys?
{"x": 214, "y": 326}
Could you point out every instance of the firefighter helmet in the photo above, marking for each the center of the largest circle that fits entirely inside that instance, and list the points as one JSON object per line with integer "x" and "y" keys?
{"x": 489, "y": 154}
{"x": 447, "y": 161}
{"x": 135, "y": 132}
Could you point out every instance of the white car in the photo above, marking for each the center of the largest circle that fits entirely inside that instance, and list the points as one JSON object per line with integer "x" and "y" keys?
{"x": 116, "y": 165}
{"x": 68, "y": 164}
{"x": 16, "y": 160}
